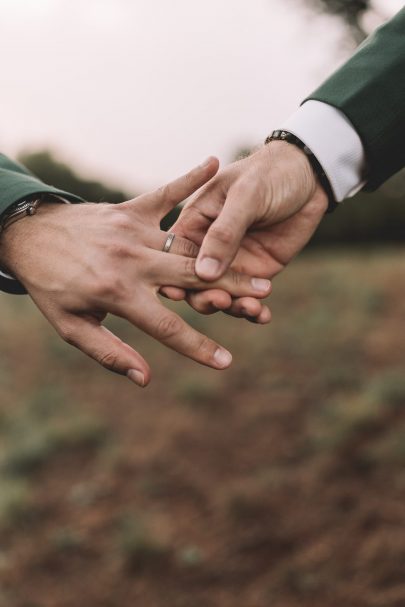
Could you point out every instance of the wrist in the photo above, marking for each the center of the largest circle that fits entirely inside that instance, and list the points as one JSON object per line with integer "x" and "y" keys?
{"x": 292, "y": 181}
{"x": 16, "y": 237}
{"x": 317, "y": 169}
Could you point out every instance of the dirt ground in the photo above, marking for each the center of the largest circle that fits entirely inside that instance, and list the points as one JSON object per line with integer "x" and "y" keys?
{"x": 279, "y": 483}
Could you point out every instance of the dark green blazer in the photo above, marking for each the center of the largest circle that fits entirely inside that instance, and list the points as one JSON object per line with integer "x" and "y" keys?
{"x": 16, "y": 183}
{"x": 370, "y": 90}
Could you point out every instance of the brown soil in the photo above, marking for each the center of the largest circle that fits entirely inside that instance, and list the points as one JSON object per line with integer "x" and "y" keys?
{"x": 280, "y": 483}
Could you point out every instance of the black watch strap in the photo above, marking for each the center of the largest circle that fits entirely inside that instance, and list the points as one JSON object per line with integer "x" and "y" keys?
{"x": 281, "y": 135}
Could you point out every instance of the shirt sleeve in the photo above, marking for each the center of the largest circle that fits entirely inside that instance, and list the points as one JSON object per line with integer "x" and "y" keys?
{"x": 334, "y": 142}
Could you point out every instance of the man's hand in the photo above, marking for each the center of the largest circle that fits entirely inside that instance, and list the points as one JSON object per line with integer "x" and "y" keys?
{"x": 80, "y": 262}
{"x": 256, "y": 214}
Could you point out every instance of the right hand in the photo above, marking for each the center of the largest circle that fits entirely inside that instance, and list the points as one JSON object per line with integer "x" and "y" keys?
{"x": 79, "y": 262}
{"x": 256, "y": 214}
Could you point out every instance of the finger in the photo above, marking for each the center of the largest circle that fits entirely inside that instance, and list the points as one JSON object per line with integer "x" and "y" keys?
{"x": 210, "y": 301}
{"x": 179, "y": 246}
{"x": 171, "y": 330}
{"x": 214, "y": 300}
{"x": 161, "y": 201}
{"x": 89, "y": 336}
{"x": 173, "y": 293}
{"x": 265, "y": 316}
{"x": 169, "y": 270}
{"x": 204, "y": 302}
{"x": 224, "y": 236}
{"x": 251, "y": 309}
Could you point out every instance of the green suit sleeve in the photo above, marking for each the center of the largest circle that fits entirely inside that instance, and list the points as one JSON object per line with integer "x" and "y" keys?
{"x": 370, "y": 90}
{"x": 16, "y": 183}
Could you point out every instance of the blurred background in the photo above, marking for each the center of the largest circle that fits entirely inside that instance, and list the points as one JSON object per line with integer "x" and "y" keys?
{"x": 278, "y": 483}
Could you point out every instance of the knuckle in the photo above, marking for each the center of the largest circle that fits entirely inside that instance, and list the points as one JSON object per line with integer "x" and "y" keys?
{"x": 206, "y": 348}
{"x": 167, "y": 327}
{"x": 118, "y": 249}
{"x": 199, "y": 303}
{"x": 188, "y": 248}
{"x": 108, "y": 287}
{"x": 222, "y": 234}
{"x": 120, "y": 220}
{"x": 165, "y": 192}
{"x": 244, "y": 186}
{"x": 68, "y": 334}
{"x": 235, "y": 278}
{"x": 108, "y": 360}
{"x": 189, "y": 267}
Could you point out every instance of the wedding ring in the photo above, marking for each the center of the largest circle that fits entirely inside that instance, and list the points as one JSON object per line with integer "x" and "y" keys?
{"x": 169, "y": 241}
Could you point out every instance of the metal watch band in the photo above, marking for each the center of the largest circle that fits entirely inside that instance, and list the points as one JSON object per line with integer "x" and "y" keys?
{"x": 280, "y": 135}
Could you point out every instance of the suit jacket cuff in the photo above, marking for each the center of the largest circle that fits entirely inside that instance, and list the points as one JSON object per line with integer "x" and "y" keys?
{"x": 17, "y": 183}
{"x": 335, "y": 143}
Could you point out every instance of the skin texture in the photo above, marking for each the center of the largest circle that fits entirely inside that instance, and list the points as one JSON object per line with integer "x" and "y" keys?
{"x": 80, "y": 262}
{"x": 253, "y": 216}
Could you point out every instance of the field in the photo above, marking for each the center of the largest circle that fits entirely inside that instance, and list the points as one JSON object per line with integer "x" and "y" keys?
{"x": 279, "y": 483}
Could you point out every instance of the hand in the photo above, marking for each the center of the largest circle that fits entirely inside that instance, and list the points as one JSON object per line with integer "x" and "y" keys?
{"x": 256, "y": 214}
{"x": 80, "y": 262}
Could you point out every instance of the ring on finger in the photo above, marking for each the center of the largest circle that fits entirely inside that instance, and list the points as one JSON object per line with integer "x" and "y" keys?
{"x": 168, "y": 242}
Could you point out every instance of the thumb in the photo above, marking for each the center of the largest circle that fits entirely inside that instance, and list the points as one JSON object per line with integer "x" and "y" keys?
{"x": 89, "y": 336}
{"x": 222, "y": 240}
{"x": 163, "y": 200}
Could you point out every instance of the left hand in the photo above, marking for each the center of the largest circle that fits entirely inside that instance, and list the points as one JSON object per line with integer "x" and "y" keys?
{"x": 80, "y": 262}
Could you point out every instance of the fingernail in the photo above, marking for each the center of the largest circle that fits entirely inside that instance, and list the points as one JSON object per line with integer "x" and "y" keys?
{"x": 262, "y": 285}
{"x": 137, "y": 377}
{"x": 207, "y": 267}
{"x": 205, "y": 163}
{"x": 223, "y": 358}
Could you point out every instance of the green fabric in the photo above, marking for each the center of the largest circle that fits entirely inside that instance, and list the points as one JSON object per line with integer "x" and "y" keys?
{"x": 370, "y": 90}
{"x": 16, "y": 183}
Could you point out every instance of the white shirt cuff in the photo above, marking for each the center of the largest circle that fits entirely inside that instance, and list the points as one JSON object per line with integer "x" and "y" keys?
{"x": 334, "y": 142}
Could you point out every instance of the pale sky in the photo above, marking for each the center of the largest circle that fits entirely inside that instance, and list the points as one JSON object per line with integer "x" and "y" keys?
{"x": 135, "y": 92}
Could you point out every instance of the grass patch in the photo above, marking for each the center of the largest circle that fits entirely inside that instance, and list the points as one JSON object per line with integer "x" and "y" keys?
{"x": 43, "y": 427}
{"x": 340, "y": 420}
{"x": 196, "y": 390}
{"x": 138, "y": 545}
{"x": 15, "y": 503}
{"x": 65, "y": 540}
{"x": 190, "y": 557}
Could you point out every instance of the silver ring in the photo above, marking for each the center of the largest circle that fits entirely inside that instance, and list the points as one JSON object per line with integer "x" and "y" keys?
{"x": 168, "y": 243}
